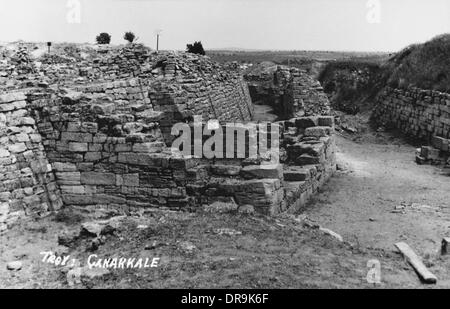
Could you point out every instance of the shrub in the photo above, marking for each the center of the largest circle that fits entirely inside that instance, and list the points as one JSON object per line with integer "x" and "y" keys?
{"x": 352, "y": 85}
{"x": 103, "y": 38}
{"x": 196, "y": 48}
{"x": 129, "y": 36}
{"x": 423, "y": 65}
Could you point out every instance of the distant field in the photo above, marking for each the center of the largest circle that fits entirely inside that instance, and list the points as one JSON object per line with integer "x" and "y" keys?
{"x": 311, "y": 61}
{"x": 284, "y": 56}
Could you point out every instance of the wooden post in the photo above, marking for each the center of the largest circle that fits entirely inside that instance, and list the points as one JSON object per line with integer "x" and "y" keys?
{"x": 445, "y": 246}
{"x": 416, "y": 263}
{"x": 157, "y": 42}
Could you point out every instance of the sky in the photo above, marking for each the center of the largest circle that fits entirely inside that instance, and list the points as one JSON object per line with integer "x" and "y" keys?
{"x": 341, "y": 25}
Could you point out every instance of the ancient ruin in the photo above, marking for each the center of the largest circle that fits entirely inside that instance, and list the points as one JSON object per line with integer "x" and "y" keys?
{"x": 94, "y": 131}
{"x": 421, "y": 114}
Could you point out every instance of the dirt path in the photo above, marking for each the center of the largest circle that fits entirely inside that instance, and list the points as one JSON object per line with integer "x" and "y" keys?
{"x": 359, "y": 202}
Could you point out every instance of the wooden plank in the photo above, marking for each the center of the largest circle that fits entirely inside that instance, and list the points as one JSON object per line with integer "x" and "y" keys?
{"x": 332, "y": 234}
{"x": 416, "y": 262}
{"x": 445, "y": 246}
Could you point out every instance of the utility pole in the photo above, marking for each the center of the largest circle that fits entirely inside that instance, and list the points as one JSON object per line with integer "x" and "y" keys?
{"x": 157, "y": 42}
{"x": 158, "y": 34}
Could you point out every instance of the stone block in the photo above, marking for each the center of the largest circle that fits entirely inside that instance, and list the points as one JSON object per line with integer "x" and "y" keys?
{"x": 273, "y": 171}
{"x": 76, "y": 137}
{"x": 27, "y": 121}
{"x": 326, "y": 121}
{"x": 12, "y": 97}
{"x": 68, "y": 178}
{"x": 95, "y": 147}
{"x": 446, "y": 145}
{"x": 430, "y": 153}
{"x": 100, "y": 138}
{"x": 77, "y": 199}
{"x": 4, "y": 153}
{"x": 64, "y": 167}
{"x": 226, "y": 170}
{"x": 306, "y": 159}
{"x": 4, "y": 209}
{"x": 438, "y": 142}
{"x": 73, "y": 189}
{"x": 98, "y": 178}
{"x": 22, "y": 138}
{"x": 146, "y": 159}
{"x": 17, "y": 148}
{"x": 106, "y": 199}
{"x": 306, "y": 122}
{"x": 123, "y": 148}
{"x": 148, "y": 147}
{"x": 263, "y": 186}
{"x": 131, "y": 180}
{"x": 93, "y": 156}
{"x": 318, "y": 131}
{"x": 297, "y": 174}
{"x": 12, "y": 106}
{"x": 78, "y": 147}
{"x": 103, "y": 109}
{"x": 5, "y": 196}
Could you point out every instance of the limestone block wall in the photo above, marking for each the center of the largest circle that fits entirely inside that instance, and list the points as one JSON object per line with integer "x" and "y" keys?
{"x": 109, "y": 154}
{"x": 101, "y": 137}
{"x": 106, "y": 145}
{"x": 290, "y": 91}
{"x": 27, "y": 183}
{"x": 307, "y": 161}
{"x": 423, "y": 114}
{"x": 310, "y": 158}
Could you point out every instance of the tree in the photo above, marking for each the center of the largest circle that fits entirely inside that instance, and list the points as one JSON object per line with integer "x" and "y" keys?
{"x": 103, "y": 38}
{"x": 129, "y": 36}
{"x": 196, "y": 48}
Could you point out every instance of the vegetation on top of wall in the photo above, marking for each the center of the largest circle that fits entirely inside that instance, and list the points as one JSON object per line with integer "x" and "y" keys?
{"x": 129, "y": 36}
{"x": 103, "y": 38}
{"x": 352, "y": 85}
{"x": 424, "y": 66}
{"x": 196, "y": 48}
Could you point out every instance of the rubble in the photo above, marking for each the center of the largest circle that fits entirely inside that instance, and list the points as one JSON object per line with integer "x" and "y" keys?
{"x": 227, "y": 231}
{"x": 14, "y": 266}
{"x": 187, "y": 246}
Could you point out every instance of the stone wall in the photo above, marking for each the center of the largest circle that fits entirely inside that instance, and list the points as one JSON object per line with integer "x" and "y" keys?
{"x": 106, "y": 145}
{"x": 422, "y": 114}
{"x": 107, "y": 153}
{"x": 310, "y": 158}
{"x": 27, "y": 183}
{"x": 101, "y": 136}
{"x": 419, "y": 113}
{"x": 289, "y": 91}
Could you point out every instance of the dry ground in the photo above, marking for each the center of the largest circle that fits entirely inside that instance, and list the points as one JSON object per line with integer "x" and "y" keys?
{"x": 270, "y": 252}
